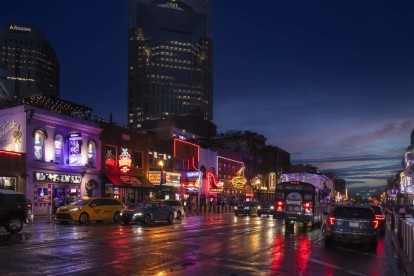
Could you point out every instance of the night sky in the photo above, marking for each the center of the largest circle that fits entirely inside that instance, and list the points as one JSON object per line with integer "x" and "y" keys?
{"x": 330, "y": 82}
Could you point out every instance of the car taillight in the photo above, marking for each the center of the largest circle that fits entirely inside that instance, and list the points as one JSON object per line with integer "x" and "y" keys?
{"x": 332, "y": 220}
{"x": 375, "y": 224}
{"x": 307, "y": 206}
{"x": 380, "y": 217}
{"x": 29, "y": 205}
{"x": 279, "y": 206}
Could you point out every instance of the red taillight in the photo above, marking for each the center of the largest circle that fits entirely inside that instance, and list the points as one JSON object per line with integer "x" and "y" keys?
{"x": 332, "y": 220}
{"x": 280, "y": 203}
{"x": 307, "y": 205}
{"x": 380, "y": 217}
{"x": 29, "y": 205}
{"x": 375, "y": 224}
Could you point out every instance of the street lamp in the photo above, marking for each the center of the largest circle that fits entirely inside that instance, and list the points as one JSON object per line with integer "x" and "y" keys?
{"x": 161, "y": 165}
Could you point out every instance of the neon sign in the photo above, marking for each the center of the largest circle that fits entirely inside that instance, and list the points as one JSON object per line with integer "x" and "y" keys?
{"x": 125, "y": 160}
{"x": 215, "y": 185}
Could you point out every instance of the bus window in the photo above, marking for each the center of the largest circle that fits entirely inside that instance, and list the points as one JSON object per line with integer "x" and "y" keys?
{"x": 307, "y": 197}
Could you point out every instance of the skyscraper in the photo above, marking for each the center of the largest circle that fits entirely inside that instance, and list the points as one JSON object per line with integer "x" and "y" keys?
{"x": 170, "y": 59}
{"x": 28, "y": 64}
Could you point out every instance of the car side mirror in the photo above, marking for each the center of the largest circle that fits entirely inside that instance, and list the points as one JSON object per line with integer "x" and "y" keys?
{"x": 92, "y": 205}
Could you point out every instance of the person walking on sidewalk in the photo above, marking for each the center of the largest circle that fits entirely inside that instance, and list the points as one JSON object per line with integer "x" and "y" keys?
{"x": 402, "y": 211}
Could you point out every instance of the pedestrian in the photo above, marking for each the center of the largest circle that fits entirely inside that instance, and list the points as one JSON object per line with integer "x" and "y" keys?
{"x": 56, "y": 203}
{"x": 402, "y": 211}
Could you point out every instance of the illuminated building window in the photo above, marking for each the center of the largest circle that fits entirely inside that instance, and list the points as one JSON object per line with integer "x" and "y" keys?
{"x": 91, "y": 153}
{"x": 58, "y": 148}
{"x": 39, "y": 137}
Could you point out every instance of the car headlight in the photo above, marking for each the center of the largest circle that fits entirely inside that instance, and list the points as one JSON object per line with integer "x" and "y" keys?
{"x": 235, "y": 208}
{"x": 273, "y": 207}
{"x": 259, "y": 207}
{"x": 74, "y": 209}
{"x": 138, "y": 214}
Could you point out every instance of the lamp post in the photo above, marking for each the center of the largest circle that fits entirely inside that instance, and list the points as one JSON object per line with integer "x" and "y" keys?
{"x": 258, "y": 186}
{"x": 161, "y": 165}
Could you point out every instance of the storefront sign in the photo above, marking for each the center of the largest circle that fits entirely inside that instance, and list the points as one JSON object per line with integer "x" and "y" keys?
{"x": 56, "y": 178}
{"x": 11, "y": 136}
{"x": 125, "y": 160}
{"x": 154, "y": 177}
{"x": 110, "y": 154}
{"x": 75, "y": 149}
{"x": 214, "y": 184}
{"x": 130, "y": 180}
{"x": 172, "y": 179}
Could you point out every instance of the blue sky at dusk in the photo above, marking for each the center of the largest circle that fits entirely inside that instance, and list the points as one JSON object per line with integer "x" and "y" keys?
{"x": 331, "y": 82}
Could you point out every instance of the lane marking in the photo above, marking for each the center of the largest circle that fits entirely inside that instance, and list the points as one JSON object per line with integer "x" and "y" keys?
{"x": 336, "y": 267}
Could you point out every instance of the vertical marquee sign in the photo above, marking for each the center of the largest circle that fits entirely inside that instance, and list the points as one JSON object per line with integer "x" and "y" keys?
{"x": 110, "y": 156}
{"x": 75, "y": 149}
{"x": 125, "y": 160}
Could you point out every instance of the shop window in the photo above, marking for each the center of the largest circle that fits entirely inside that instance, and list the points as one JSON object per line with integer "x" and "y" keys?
{"x": 39, "y": 137}
{"x": 58, "y": 148}
{"x": 138, "y": 159}
{"x": 91, "y": 154}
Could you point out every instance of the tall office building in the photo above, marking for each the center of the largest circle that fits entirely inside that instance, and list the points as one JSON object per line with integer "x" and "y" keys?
{"x": 28, "y": 64}
{"x": 170, "y": 60}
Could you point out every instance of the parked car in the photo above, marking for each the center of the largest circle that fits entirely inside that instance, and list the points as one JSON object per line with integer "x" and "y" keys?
{"x": 246, "y": 208}
{"x": 176, "y": 205}
{"x": 88, "y": 209}
{"x": 266, "y": 208}
{"x": 380, "y": 216}
{"x": 351, "y": 224}
{"x": 13, "y": 210}
{"x": 147, "y": 213}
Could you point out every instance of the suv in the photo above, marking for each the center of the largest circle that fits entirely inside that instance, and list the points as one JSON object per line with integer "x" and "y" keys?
{"x": 246, "y": 208}
{"x": 176, "y": 205}
{"x": 13, "y": 210}
{"x": 351, "y": 224}
{"x": 265, "y": 208}
{"x": 380, "y": 216}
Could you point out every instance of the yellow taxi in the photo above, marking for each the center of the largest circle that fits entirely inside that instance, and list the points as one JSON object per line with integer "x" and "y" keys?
{"x": 88, "y": 209}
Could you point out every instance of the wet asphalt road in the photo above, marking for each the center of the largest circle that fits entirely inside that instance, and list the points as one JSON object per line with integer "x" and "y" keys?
{"x": 214, "y": 244}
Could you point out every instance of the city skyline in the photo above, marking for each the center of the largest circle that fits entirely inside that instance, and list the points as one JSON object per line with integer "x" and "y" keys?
{"x": 327, "y": 82}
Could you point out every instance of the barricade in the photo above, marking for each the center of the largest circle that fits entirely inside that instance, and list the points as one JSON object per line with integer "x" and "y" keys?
{"x": 405, "y": 235}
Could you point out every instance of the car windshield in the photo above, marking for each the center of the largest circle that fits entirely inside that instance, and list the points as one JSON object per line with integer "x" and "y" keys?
{"x": 79, "y": 202}
{"x": 249, "y": 203}
{"x": 353, "y": 212}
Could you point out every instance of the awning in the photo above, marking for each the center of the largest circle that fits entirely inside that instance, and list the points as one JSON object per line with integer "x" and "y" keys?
{"x": 129, "y": 180}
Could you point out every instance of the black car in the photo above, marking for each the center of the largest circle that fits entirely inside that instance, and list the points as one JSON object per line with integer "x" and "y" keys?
{"x": 147, "y": 213}
{"x": 246, "y": 208}
{"x": 265, "y": 208}
{"x": 351, "y": 224}
{"x": 13, "y": 210}
{"x": 380, "y": 216}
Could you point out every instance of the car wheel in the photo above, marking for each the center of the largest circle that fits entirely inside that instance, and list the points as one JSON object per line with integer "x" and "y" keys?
{"x": 171, "y": 218}
{"x": 147, "y": 219}
{"x": 83, "y": 218}
{"x": 117, "y": 217}
{"x": 179, "y": 214}
{"x": 14, "y": 224}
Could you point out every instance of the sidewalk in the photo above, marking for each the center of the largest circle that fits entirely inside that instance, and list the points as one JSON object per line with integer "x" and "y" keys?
{"x": 407, "y": 266}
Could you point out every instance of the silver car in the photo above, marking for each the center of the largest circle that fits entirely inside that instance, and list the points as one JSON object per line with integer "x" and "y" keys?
{"x": 176, "y": 205}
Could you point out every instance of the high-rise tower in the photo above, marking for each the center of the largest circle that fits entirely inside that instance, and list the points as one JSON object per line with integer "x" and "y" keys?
{"x": 170, "y": 59}
{"x": 28, "y": 64}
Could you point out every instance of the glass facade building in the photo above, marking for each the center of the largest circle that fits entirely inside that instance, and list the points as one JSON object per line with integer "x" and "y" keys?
{"x": 170, "y": 60}
{"x": 28, "y": 63}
